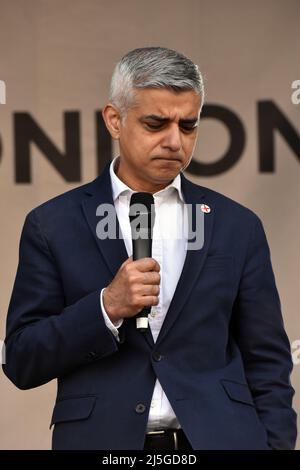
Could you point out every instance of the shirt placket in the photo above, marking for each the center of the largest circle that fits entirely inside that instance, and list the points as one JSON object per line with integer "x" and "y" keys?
{"x": 157, "y": 254}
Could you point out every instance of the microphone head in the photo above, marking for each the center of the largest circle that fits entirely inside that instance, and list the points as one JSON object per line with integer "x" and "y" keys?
{"x": 141, "y": 215}
{"x": 145, "y": 199}
{"x": 141, "y": 203}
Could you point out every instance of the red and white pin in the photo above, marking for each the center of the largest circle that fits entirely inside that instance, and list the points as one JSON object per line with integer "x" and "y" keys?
{"x": 205, "y": 208}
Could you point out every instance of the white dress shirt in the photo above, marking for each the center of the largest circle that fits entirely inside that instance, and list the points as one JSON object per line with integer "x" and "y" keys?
{"x": 169, "y": 249}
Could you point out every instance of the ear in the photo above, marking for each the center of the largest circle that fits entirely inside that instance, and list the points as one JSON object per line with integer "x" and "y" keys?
{"x": 112, "y": 119}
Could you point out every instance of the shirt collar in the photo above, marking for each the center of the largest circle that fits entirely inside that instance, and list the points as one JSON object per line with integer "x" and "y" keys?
{"x": 119, "y": 188}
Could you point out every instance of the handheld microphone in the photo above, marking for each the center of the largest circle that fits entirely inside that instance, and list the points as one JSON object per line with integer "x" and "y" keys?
{"x": 141, "y": 215}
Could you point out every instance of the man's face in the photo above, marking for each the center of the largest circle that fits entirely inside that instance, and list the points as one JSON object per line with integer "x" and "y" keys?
{"x": 157, "y": 137}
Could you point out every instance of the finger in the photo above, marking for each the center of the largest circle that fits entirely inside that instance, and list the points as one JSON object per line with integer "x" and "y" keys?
{"x": 151, "y": 278}
{"x": 147, "y": 264}
{"x": 148, "y": 290}
{"x": 157, "y": 266}
{"x": 149, "y": 300}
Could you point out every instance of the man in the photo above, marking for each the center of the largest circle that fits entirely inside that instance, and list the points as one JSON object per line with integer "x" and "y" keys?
{"x": 212, "y": 372}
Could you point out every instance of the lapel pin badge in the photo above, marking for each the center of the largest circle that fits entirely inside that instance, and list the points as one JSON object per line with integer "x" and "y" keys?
{"x": 205, "y": 208}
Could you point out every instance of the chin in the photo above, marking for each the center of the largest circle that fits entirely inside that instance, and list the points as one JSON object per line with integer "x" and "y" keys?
{"x": 169, "y": 172}
{"x": 165, "y": 176}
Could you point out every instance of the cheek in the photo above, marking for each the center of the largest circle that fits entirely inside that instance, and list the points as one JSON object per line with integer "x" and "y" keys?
{"x": 147, "y": 144}
{"x": 188, "y": 146}
{"x": 138, "y": 150}
{"x": 130, "y": 144}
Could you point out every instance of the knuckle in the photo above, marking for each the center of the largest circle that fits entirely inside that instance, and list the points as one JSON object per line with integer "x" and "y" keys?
{"x": 127, "y": 268}
{"x": 134, "y": 290}
{"x": 132, "y": 278}
{"x": 132, "y": 298}
{"x": 153, "y": 263}
{"x": 136, "y": 304}
{"x": 150, "y": 263}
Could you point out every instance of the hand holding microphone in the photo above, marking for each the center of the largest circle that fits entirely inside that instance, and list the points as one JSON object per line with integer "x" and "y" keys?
{"x": 141, "y": 217}
{"x": 136, "y": 284}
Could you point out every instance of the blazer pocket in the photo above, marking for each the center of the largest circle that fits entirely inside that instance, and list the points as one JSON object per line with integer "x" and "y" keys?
{"x": 73, "y": 409}
{"x": 238, "y": 391}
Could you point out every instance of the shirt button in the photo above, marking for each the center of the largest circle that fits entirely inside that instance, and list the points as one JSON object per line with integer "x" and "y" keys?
{"x": 153, "y": 313}
{"x": 140, "y": 408}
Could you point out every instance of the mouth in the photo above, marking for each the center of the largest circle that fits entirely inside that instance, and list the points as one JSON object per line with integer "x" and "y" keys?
{"x": 168, "y": 159}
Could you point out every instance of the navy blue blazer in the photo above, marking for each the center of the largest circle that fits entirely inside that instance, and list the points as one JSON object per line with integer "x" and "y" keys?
{"x": 222, "y": 355}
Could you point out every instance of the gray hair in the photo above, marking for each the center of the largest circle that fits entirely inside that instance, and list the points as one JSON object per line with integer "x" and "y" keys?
{"x": 153, "y": 67}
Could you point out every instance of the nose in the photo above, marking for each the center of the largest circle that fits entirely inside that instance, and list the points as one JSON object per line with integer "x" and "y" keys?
{"x": 172, "y": 139}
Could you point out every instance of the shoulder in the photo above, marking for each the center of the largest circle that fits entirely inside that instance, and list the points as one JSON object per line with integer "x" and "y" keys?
{"x": 74, "y": 196}
{"x": 62, "y": 208}
{"x": 232, "y": 221}
{"x": 224, "y": 206}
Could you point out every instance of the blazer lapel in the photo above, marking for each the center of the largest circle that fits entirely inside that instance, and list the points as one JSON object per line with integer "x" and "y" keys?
{"x": 195, "y": 196}
{"x": 113, "y": 250}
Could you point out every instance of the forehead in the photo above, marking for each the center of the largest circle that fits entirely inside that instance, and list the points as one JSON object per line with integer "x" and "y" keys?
{"x": 167, "y": 103}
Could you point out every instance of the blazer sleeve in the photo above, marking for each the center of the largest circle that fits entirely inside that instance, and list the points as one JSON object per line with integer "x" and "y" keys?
{"x": 263, "y": 343}
{"x": 45, "y": 338}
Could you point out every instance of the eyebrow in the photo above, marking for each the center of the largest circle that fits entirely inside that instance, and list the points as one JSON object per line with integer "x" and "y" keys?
{"x": 162, "y": 119}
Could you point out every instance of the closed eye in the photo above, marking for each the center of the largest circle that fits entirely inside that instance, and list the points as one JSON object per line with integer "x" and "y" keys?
{"x": 188, "y": 129}
{"x": 160, "y": 126}
{"x": 154, "y": 126}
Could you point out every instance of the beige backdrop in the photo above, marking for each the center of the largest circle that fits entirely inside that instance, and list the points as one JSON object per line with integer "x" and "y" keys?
{"x": 57, "y": 56}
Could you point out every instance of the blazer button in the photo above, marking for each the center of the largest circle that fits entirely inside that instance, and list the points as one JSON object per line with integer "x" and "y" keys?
{"x": 157, "y": 357}
{"x": 140, "y": 408}
{"x": 92, "y": 355}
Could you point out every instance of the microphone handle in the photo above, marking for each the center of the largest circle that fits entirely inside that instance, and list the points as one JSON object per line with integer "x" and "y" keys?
{"x": 142, "y": 248}
{"x": 142, "y": 321}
